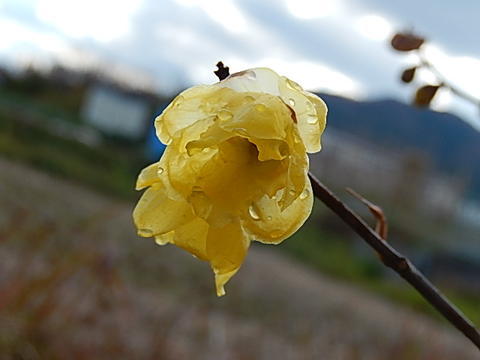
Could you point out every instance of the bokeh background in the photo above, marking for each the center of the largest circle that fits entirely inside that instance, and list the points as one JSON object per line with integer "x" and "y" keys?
{"x": 80, "y": 85}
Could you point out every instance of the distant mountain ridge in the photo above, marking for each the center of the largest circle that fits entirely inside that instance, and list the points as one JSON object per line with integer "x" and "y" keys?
{"x": 452, "y": 144}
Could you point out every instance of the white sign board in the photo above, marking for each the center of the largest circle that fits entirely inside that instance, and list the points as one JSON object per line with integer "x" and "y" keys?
{"x": 116, "y": 113}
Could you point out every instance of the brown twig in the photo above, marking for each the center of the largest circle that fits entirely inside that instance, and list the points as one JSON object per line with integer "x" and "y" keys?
{"x": 397, "y": 262}
{"x": 389, "y": 256}
{"x": 222, "y": 71}
{"x": 443, "y": 81}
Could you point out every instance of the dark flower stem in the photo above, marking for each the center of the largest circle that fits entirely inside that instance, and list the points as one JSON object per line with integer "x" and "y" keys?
{"x": 397, "y": 262}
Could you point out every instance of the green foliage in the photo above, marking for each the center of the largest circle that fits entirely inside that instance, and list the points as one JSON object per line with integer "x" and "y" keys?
{"x": 107, "y": 168}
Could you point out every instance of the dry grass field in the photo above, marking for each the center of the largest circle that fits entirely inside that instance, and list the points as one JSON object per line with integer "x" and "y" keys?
{"x": 77, "y": 283}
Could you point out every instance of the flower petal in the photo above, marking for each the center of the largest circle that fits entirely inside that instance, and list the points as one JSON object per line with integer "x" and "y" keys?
{"x": 310, "y": 110}
{"x": 235, "y": 177}
{"x": 186, "y": 109}
{"x": 226, "y": 250}
{"x": 270, "y": 224}
{"x": 157, "y": 214}
{"x": 148, "y": 176}
{"x": 192, "y": 237}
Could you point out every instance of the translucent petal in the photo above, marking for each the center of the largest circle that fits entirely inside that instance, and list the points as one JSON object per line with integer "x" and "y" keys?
{"x": 148, "y": 176}
{"x": 226, "y": 250}
{"x": 266, "y": 118}
{"x": 271, "y": 224}
{"x": 157, "y": 214}
{"x": 186, "y": 109}
{"x": 311, "y": 130}
{"x": 184, "y": 171}
{"x": 260, "y": 80}
{"x": 192, "y": 237}
{"x": 309, "y": 109}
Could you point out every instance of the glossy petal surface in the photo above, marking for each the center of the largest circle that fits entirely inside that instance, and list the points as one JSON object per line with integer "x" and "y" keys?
{"x": 235, "y": 168}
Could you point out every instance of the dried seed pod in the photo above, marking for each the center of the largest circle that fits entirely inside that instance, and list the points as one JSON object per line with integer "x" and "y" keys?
{"x": 425, "y": 95}
{"x": 406, "y": 42}
{"x": 408, "y": 75}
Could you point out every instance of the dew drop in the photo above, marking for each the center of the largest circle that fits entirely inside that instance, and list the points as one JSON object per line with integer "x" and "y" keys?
{"x": 269, "y": 218}
{"x": 248, "y": 99}
{"x": 276, "y": 233}
{"x": 193, "y": 150}
{"x": 260, "y": 107}
{"x": 293, "y": 85}
{"x": 225, "y": 115}
{"x": 312, "y": 120}
{"x": 145, "y": 232}
{"x": 304, "y": 194}
{"x": 292, "y": 192}
{"x": 161, "y": 240}
{"x": 310, "y": 107}
{"x": 291, "y": 102}
{"x": 252, "y": 211}
{"x": 178, "y": 101}
{"x": 160, "y": 171}
{"x": 250, "y": 75}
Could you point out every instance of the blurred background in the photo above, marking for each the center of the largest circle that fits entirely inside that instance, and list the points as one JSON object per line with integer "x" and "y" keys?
{"x": 80, "y": 85}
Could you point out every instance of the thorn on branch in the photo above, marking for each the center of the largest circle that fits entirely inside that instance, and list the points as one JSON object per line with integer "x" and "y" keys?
{"x": 222, "y": 72}
{"x": 381, "y": 227}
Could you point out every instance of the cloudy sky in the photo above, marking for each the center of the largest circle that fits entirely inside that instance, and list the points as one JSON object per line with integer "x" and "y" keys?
{"x": 336, "y": 46}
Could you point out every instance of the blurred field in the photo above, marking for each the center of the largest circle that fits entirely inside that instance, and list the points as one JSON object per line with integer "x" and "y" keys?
{"x": 77, "y": 283}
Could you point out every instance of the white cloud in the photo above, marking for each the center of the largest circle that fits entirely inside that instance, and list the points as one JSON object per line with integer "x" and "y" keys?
{"x": 16, "y": 35}
{"x": 103, "y": 20}
{"x": 313, "y": 9}
{"x": 374, "y": 27}
{"x": 460, "y": 71}
{"x": 223, "y": 12}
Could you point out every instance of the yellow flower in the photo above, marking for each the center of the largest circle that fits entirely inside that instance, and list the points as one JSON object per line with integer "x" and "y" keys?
{"x": 235, "y": 168}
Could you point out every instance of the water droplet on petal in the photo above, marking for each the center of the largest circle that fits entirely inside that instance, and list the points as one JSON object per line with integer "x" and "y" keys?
{"x": 193, "y": 150}
{"x": 292, "y": 192}
{"x": 178, "y": 101}
{"x": 145, "y": 232}
{"x": 276, "y": 233}
{"x": 260, "y": 107}
{"x": 293, "y": 85}
{"x": 161, "y": 240}
{"x": 269, "y": 218}
{"x": 248, "y": 99}
{"x": 224, "y": 115}
{"x": 160, "y": 171}
{"x": 291, "y": 102}
{"x": 312, "y": 120}
{"x": 252, "y": 211}
{"x": 250, "y": 75}
{"x": 304, "y": 194}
